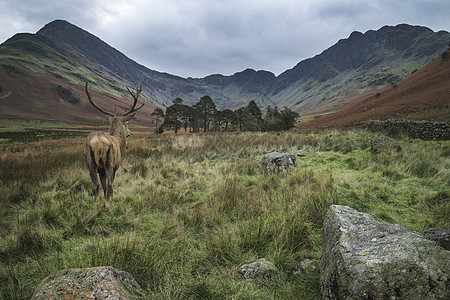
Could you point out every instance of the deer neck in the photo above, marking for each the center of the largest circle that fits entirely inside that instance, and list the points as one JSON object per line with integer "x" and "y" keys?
{"x": 117, "y": 130}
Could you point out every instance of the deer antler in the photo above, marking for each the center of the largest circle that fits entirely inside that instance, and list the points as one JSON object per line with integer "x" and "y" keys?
{"x": 91, "y": 99}
{"x": 135, "y": 97}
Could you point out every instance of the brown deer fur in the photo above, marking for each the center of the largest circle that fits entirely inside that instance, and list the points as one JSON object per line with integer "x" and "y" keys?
{"x": 103, "y": 153}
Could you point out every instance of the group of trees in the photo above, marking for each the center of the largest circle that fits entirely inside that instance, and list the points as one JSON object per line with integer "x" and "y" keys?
{"x": 203, "y": 116}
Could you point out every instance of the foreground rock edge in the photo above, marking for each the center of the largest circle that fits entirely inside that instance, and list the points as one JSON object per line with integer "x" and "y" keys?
{"x": 366, "y": 259}
{"x": 96, "y": 283}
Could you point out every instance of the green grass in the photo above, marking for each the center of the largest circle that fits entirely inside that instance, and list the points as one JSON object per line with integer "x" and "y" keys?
{"x": 16, "y": 124}
{"x": 190, "y": 209}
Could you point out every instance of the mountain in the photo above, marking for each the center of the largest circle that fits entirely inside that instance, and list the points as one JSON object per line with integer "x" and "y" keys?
{"x": 33, "y": 66}
{"x": 42, "y": 75}
{"x": 423, "y": 95}
{"x": 363, "y": 62}
{"x": 341, "y": 75}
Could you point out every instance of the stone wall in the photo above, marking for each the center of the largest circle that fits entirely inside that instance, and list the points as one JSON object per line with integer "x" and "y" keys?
{"x": 426, "y": 130}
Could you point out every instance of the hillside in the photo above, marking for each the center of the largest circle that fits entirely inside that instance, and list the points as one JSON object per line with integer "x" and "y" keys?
{"x": 362, "y": 63}
{"x": 43, "y": 78}
{"x": 423, "y": 95}
{"x": 42, "y": 75}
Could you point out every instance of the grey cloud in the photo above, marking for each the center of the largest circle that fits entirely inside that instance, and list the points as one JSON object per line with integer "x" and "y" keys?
{"x": 200, "y": 37}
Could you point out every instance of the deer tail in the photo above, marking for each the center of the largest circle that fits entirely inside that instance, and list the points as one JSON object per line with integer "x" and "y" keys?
{"x": 100, "y": 146}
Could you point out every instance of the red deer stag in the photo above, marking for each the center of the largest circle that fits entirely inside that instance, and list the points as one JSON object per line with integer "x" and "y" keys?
{"x": 103, "y": 150}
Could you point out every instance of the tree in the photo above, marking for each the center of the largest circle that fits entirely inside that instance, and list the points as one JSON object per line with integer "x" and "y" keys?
{"x": 194, "y": 120}
{"x": 273, "y": 124}
{"x": 207, "y": 109}
{"x": 158, "y": 113}
{"x": 240, "y": 116}
{"x": 254, "y": 110}
{"x": 288, "y": 117}
{"x": 268, "y": 112}
{"x": 174, "y": 114}
{"x": 187, "y": 113}
{"x": 275, "y": 112}
{"x": 177, "y": 101}
{"x": 246, "y": 121}
{"x": 171, "y": 119}
{"x": 227, "y": 117}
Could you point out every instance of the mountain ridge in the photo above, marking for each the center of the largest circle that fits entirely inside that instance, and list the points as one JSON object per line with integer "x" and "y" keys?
{"x": 404, "y": 100}
{"x": 362, "y": 63}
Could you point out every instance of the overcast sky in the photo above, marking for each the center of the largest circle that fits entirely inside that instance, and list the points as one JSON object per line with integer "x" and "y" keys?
{"x": 195, "y": 38}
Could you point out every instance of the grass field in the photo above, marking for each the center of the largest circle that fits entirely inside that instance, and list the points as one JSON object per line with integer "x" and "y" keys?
{"x": 190, "y": 209}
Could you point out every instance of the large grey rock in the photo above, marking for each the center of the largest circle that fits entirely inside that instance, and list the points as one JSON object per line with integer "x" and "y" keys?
{"x": 366, "y": 259}
{"x": 385, "y": 144}
{"x": 260, "y": 269}
{"x": 89, "y": 283}
{"x": 276, "y": 162}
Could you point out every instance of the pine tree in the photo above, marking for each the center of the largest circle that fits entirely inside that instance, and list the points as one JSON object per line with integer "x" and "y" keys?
{"x": 207, "y": 108}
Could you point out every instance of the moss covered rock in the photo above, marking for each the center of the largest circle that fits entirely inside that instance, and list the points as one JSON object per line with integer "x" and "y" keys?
{"x": 260, "y": 269}
{"x": 366, "y": 259}
{"x": 276, "y": 162}
{"x": 89, "y": 283}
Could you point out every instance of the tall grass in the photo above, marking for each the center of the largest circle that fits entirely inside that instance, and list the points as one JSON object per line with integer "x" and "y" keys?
{"x": 190, "y": 209}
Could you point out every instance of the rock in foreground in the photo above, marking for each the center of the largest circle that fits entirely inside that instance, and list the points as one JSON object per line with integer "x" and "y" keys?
{"x": 366, "y": 259}
{"x": 89, "y": 283}
{"x": 385, "y": 144}
{"x": 260, "y": 269}
{"x": 276, "y": 162}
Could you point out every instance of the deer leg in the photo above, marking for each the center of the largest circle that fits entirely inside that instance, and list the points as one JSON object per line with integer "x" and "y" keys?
{"x": 90, "y": 162}
{"x": 110, "y": 182}
{"x": 94, "y": 179}
{"x": 111, "y": 193}
{"x": 102, "y": 175}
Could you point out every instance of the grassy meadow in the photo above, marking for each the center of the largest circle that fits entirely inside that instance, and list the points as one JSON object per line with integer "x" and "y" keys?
{"x": 190, "y": 209}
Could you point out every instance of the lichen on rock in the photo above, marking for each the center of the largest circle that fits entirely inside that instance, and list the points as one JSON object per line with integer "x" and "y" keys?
{"x": 89, "y": 283}
{"x": 366, "y": 259}
{"x": 260, "y": 269}
{"x": 276, "y": 162}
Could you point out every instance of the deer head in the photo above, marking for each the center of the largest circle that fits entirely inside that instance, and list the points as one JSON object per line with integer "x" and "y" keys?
{"x": 111, "y": 117}
{"x": 133, "y": 108}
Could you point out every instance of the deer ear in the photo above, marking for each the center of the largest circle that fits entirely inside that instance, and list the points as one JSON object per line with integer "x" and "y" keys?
{"x": 128, "y": 117}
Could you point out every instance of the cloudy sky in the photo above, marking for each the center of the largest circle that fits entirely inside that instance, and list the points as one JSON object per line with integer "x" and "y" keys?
{"x": 201, "y": 37}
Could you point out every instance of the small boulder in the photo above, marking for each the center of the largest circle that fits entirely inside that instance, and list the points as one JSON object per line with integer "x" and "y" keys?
{"x": 276, "y": 162}
{"x": 307, "y": 267}
{"x": 385, "y": 144}
{"x": 366, "y": 259}
{"x": 301, "y": 153}
{"x": 260, "y": 269}
{"x": 89, "y": 283}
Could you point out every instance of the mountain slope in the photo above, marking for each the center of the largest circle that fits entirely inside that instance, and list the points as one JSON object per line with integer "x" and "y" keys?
{"x": 363, "y": 62}
{"x": 34, "y": 67}
{"x": 63, "y": 56}
{"x": 342, "y": 74}
{"x": 25, "y": 94}
{"x": 423, "y": 95}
